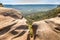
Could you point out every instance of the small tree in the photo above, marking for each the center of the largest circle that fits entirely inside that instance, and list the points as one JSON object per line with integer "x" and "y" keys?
{"x": 1, "y": 5}
{"x": 29, "y": 22}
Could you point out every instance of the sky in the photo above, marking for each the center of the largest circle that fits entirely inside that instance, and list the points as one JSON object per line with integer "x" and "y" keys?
{"x": 30, "y": 1}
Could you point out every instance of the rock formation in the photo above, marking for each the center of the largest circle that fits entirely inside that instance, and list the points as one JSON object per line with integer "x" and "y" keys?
{"x": 12, "y": 25}
{"x": 48, "y": 29}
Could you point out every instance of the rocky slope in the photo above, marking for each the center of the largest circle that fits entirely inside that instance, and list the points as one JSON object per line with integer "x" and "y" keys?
{"x": 48, "y": 29}
{"x": 12, "y": 25}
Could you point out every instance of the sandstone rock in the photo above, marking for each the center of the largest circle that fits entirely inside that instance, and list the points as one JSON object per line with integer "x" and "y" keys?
{"x": 58, "y": 15}
{"x": 12, "y": 25}
{"x": 48, "y": 29}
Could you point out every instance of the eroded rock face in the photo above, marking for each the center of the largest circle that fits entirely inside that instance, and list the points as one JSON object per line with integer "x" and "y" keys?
{"x": 12, "y": 25}
{"x": 48, "y": 29}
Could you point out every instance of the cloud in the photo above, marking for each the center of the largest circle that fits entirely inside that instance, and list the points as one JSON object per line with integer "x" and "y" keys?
{"x": 30, "y": 1}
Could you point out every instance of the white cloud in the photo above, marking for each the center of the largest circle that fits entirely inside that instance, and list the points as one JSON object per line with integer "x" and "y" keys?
{"x": 30, "y": 1}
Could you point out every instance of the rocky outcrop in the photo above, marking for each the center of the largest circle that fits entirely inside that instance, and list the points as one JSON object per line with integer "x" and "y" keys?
{"x": 12, "y": 25}
{"x": 48, "y": 29}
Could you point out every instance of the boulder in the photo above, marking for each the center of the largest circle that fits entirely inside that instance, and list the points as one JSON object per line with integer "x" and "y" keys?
{"x": 48, "y": 29}
{"x": 13, "y": 25}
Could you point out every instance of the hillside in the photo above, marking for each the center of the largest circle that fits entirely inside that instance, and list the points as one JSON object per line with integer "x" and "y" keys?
{"x": 43, "y": 15}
